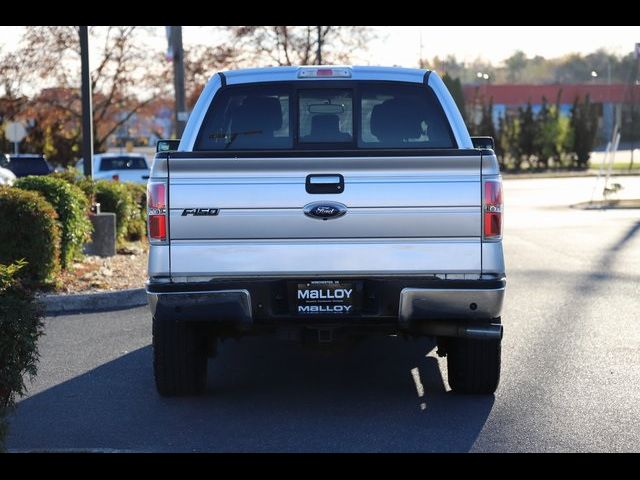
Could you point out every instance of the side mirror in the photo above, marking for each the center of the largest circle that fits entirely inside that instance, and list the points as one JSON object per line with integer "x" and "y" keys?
{"x": 167, "y": 145}
{"x": 483, "y": 142}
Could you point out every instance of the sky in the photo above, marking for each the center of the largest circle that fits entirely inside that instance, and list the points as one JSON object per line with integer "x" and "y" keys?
{"x": 495, "y": 43}
{"x": 400, "y": 45}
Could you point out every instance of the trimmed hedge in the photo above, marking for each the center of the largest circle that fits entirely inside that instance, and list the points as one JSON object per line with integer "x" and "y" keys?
{"x": 74, "y": 177}
{"x": 72, "y": 207}
{"x": 116, "y": 197}
{"x": 20, "y": 327}
{"x": 29, "y": 230}
{"x": 137, "y": 227}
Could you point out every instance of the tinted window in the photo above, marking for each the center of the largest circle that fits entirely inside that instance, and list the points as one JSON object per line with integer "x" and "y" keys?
{"x": 23, "y": 166}
{"x": 325, "y": 115}
{"x": 247, "y": 118}
{"x": 280, "y": 116}
{"x": 123, "y": 163}
{"x": 402, "y": 116}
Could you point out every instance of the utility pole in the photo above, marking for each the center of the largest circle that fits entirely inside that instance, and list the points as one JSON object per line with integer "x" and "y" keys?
{"x": 319, "y": 52}
{"x": 87, "y": 108}
{"x": 175, "y": 46}
{"x": 633, "y": 83}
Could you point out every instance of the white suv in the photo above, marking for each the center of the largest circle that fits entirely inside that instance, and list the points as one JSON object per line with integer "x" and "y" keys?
{"x": 125, "y": 167}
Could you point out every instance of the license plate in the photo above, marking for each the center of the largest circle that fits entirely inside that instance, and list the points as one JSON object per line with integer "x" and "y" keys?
{"x": 325, "y": 297}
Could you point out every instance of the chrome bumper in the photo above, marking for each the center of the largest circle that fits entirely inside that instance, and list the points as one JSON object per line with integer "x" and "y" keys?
{"x": 448, "y": 304}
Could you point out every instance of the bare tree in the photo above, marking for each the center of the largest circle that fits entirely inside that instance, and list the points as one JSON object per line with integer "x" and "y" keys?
{"x": 298, "y": 45}
{"x": 200, "y": 62}
{"x": 123, "y": 80}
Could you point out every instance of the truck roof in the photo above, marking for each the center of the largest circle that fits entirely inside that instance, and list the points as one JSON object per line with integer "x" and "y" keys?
{"x": 274, "y": 74}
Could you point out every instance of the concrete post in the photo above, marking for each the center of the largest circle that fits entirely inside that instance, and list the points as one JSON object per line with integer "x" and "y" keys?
{"x": 103, "y": 239}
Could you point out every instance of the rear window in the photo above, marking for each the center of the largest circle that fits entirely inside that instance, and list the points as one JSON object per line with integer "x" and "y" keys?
{"x": 123, "y": 163}
{"x": 248, "y": 118}
{"x": 317, "y": 115}
{"x": 399, "y": 116}
{"x": 325, "y": 115}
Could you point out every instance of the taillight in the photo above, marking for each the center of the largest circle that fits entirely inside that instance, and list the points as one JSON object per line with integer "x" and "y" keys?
{"x": 115, "y": 177}
{"x": 492, "y": 209}
{"x": 157, "y": 211}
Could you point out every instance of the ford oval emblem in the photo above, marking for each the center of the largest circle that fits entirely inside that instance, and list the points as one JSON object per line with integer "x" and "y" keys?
{"x": 325, "y": 210}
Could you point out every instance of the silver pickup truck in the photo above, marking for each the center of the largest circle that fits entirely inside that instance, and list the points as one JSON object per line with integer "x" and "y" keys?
{"x": 323, "y": 203}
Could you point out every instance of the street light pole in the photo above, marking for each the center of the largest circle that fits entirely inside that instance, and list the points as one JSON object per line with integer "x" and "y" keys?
{"x": 319, "y": 50}
{"x": 178, "y": 78}
{"x": 87, "y": 108}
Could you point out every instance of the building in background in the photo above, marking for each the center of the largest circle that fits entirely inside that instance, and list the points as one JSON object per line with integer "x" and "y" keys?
{"x": 615, "y": 100}
{"x": 145, "y": 127}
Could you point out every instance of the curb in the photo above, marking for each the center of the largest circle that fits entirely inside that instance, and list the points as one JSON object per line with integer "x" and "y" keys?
{"x": 588, "y": 173}
{"x": 93, "y": 302}
{"x": 621, "y": 204}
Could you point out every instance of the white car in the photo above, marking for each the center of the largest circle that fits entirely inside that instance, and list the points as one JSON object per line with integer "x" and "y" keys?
{"x": 7, "y": 177}
{"x": 124, "y": 167}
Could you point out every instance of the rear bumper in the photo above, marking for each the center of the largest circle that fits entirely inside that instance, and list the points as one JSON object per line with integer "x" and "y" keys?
{"x": 416, "y": 305}
{"x": 232, "y": 307}
{"x": 449, "y": 304}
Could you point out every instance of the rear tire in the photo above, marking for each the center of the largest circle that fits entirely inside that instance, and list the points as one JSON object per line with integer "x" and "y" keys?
{"x": 179, "y": 358}
{"x": 473, "y": 365}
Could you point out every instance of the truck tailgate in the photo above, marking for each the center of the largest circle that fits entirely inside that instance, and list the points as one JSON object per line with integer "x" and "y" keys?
{"x": 418, "y": 214}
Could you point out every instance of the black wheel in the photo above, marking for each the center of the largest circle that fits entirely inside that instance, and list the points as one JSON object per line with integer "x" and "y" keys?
{"x": 473, "y": 365}
{"x": 179, "y": 358}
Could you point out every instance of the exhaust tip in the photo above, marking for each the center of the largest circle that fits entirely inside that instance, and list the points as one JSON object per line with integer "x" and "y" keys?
{"x": 492, "y": 331}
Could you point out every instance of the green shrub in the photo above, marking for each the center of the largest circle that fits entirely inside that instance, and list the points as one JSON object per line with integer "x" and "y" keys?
{"x": 137, "y": 227}
{"x": 29, "y": 230}
{"x": 20, "y": 327}
{"x": 74, "y": 177}
{"x": 70, "y": 175}
{"x": 117, "y": 198}
{"x": 72, "y": 207}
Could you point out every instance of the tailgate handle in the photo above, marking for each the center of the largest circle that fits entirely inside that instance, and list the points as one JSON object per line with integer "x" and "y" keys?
{"x": 325, "y": 183}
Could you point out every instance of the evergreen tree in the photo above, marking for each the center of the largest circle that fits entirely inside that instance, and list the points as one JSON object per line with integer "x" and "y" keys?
{"x": 486, "y": 127}
{"x": 528, "y": 132}
{"x": 455, "y": 88}
{"x": 500, "y": 151}
{"x": 510, "y": 140}
{"x": 584, "y": 124}
{"x": 545, "y": 138}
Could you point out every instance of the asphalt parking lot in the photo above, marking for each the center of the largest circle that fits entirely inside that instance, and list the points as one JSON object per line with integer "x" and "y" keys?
{"x": 570, "y": 378}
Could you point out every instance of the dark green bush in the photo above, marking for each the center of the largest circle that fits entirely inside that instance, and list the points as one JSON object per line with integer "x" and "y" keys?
{"x": 29, "y": 230}
{"x": 20, "y": 327}
{"x": 117, "y": 198}
{"x": 70, "y": 175}
{"x": 74, "y": 177}
{"x": 72, "y": 207}
{"x": 137, "y": 227}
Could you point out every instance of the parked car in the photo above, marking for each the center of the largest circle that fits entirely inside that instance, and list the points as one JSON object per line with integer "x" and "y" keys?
{"x": 319, "y": 203}
{"x": 125, "y": 167}
{"x": 24, "y": 164}
{"x": 7, "y": 177}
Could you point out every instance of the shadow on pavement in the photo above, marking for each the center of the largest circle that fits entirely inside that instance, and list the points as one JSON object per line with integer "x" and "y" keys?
{"x": 263, "y": 395}
{"x": 603, "y": 270}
